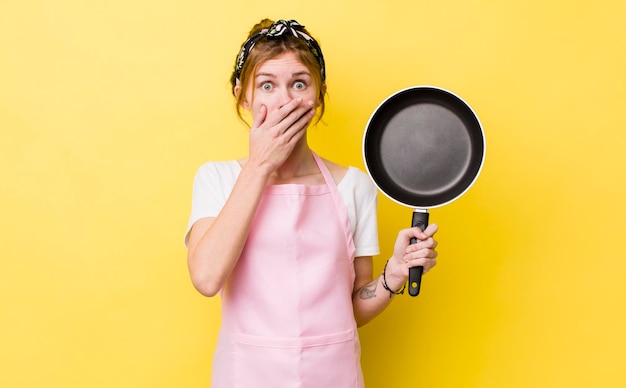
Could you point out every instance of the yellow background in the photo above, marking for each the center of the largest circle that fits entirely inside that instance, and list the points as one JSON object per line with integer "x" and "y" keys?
{"x": 108, "y": 107}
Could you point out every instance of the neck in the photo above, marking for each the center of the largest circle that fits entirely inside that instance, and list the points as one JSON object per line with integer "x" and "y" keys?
{"x": 298, "y": 164}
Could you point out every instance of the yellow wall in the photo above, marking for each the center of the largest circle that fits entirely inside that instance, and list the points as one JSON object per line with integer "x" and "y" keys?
{"x": 108, "y": 107}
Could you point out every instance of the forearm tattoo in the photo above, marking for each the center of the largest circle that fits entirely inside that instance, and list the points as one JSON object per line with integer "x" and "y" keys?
{"x": 369, "y": 291}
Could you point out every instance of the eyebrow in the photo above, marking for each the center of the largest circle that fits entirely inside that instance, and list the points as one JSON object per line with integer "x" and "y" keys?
{"x": 297, "y": 74}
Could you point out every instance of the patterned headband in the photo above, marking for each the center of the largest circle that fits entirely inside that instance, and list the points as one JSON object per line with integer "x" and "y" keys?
{"x": 277, "y": 30}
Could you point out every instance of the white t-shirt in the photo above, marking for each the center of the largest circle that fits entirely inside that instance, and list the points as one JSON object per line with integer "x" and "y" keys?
{"x": 214, "y": 182}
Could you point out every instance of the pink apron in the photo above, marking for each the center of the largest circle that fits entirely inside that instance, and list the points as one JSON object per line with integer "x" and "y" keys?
{"x": 287, "y": 318}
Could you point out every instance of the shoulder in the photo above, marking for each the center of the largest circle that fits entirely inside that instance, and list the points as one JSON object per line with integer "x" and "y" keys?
{"x": 218, "y": 171}
{"x": 358, "y": 179}
{"x": 349, "y": 176}
{"x": 337, "y": 171}
{"x": 216, "y": 177}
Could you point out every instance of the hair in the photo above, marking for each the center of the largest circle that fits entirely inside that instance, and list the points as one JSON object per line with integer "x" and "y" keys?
{"x": 266, "y": 49}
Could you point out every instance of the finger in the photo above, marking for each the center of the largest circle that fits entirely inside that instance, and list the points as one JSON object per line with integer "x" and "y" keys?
{"x": 429, "y": 264}
{"x": 299, "y": 118}
{"x": 429, "y": 243}
{"x": 425, "y": 262}
{"x": 288, "y": 113}
{"x": 431, "y": 230}
{"x": 296, "y": 130}
{"x": 260, "y": 117}
{"x": 427, "y": 253}
{"x": 423, "y": 234}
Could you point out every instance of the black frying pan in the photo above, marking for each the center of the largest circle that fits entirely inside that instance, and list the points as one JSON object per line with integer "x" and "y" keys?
{"x": 423, "y": 147}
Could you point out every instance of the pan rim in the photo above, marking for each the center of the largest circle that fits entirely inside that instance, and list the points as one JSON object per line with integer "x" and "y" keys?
{"x": 393, "y": 96}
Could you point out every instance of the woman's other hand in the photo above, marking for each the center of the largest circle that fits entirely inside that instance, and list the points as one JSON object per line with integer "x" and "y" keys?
{"x": 406, "y": 255}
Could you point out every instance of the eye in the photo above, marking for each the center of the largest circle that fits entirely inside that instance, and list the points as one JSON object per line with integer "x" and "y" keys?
{"x": 299, "y": 85}
{"x": 266, "y": 86}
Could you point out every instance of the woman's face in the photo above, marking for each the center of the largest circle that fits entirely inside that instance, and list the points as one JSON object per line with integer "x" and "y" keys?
{"x": 278, "y": 81}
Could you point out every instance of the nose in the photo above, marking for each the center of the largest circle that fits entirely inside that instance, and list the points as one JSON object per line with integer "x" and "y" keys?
{"x": 284, "y": 96}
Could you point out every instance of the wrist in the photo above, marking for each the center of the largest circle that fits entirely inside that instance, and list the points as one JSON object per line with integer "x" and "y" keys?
{"x": 391, "y": 283}
{"x": 255, "y": 170}
{"x": 395, "y": 273}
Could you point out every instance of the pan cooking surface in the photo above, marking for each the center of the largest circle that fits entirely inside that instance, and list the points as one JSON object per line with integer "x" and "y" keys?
{"x": 424, "y": 147}
{"x": 417, "y": 130}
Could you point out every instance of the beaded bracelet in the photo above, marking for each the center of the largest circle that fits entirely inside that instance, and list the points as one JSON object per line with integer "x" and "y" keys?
{"x": 391, "y": 292}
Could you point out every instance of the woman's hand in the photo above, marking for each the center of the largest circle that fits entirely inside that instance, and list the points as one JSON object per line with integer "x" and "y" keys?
{"x": 368, "y": 299}
{"x": 407, "y": 255}
{"x": 274, "y": 135}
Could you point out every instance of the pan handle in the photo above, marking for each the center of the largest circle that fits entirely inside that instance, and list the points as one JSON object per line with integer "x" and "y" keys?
{"x": 420, "y": 219}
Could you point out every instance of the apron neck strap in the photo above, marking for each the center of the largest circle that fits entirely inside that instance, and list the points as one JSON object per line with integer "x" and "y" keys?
{"x": 328, "y": 178}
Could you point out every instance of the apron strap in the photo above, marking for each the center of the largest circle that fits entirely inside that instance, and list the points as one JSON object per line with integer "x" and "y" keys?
{"x": 340, "y": 205}
{"x": 328, "y": 178}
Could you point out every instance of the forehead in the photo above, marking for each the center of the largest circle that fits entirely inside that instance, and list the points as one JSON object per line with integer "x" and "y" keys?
{"x": 285, "y": 63}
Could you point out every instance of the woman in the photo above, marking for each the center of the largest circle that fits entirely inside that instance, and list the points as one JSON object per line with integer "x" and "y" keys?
{"x": 287, "y": 238}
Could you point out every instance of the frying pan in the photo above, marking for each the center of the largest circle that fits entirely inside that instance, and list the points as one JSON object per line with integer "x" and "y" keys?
{"x": 423, "y": 147}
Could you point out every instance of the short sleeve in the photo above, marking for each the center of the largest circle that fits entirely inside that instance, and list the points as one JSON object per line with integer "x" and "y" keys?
{"x": 361, "y": 198}
{"x": 212, "y": 185}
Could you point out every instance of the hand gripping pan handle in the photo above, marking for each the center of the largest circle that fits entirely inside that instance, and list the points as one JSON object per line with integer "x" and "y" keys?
{"x": 420, "y": 219}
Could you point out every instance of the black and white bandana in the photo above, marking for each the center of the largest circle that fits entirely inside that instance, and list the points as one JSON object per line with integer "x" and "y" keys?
{"x": 277, "y": 30}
